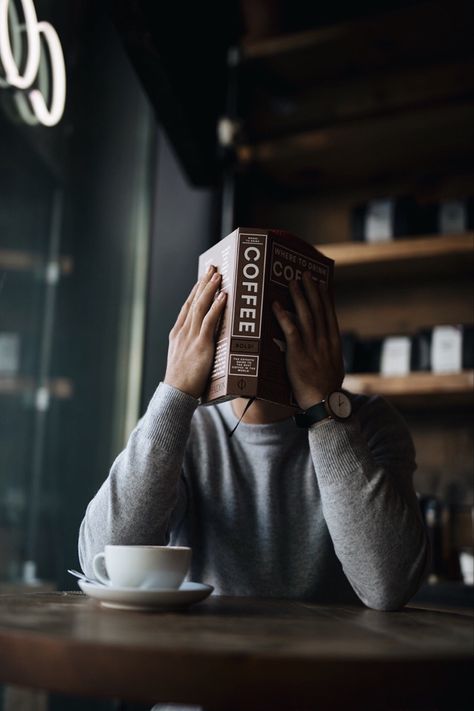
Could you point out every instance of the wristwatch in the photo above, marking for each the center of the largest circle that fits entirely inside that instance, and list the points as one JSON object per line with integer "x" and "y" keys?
{"x": 336, "y": 406}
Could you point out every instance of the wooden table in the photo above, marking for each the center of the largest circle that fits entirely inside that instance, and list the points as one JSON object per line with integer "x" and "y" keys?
{"x": 240, "y": 653}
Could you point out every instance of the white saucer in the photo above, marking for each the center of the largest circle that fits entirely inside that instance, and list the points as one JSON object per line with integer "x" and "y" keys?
{"x": 135, "y": 599}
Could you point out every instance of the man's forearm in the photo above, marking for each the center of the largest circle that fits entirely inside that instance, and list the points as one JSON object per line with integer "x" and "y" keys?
{"x": 144, "y": 488}
{"x": 371, "y": 510}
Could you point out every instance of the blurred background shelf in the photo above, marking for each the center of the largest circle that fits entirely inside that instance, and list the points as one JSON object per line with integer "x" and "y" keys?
{"x": 370, "y": 149}
{"x": 291, "y": 109}
{"x": 61, "y": 388}
{"x": 417, "y": 389}
{"x": 430, "y": 255}
{"x": 378, "y": 106}
{"x": 23, "y": 261}
{"x": 366, "y": 44}
{"x": 369, "y": 100}
{"x": 446, "y": 594}
{"x": 392, "y": 61}
{"x": 18, "y": 588}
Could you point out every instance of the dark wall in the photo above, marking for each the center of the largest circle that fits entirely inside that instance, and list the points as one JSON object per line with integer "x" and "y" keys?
{"x": 107, "y": 169}
{"x": 184, "y": 225}
{"x": 109, "y": 112}
{"x": 179, "y": 51}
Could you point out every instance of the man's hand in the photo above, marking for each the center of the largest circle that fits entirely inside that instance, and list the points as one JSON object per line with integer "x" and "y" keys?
{"x": 192, "y": 338}
{"x": 313, "y": 344}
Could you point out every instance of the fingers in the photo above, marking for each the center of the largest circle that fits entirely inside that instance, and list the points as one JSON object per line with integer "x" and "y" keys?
{"x": 193, "y": 295}
{"x": 185, "y": 307}
{"x": 205, "y": 279}
{"x": 203, "y": 300}
{"x": 314, "y": 297}
{"x": 316, "y": 313}
{"x": 331, "y": 316}
{"x": 211, "y": 319}
{"x": 288, "y": 326}
{"x": 303, "y": 312}
{"x": 329, "y": 311}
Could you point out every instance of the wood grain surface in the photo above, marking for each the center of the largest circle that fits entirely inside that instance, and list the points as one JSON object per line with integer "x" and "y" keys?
{"x": 232, "y": 653}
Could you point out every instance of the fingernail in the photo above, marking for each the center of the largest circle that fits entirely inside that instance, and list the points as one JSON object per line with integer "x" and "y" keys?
{"x": 222, "y": 295}
{"x": 215, "y": 277}
{"x": 210, "y": 268}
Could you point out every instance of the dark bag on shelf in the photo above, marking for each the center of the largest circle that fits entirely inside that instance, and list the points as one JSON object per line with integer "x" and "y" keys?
{"x": 349, "y": 344}
{"x": 421, "y": 350}
{"x": 468, "y": 347}
{"x": 455, "y": 216}
{"x": 367, "y": 355}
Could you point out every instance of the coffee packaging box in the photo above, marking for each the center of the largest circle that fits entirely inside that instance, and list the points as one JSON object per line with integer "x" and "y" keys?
{"x": 256, "y": 267}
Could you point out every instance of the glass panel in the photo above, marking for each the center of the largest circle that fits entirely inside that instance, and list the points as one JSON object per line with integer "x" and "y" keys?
{"x": 75, "y": 204}
{"x": 27, "y": 195}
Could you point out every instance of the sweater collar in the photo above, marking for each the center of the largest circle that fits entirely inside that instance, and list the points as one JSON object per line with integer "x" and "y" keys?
{"x": 252, "y": 432}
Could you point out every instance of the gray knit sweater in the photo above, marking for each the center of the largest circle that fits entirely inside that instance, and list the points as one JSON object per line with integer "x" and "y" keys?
{"x": 328, "y": 514}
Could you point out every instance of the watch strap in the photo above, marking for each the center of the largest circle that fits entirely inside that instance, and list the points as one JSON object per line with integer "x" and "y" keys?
{"x": 313, "y": 414}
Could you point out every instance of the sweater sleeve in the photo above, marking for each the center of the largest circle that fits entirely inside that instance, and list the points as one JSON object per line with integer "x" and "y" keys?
{"x": 365, "y": 473}
{"x": 144, "y": 493}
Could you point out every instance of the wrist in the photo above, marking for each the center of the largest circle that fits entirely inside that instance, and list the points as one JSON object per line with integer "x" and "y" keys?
{"x": 311, "y": 398}
{"x": 182, "y": 386}
{"x": 168, "y": 416}
{"x": 337, "y": 406}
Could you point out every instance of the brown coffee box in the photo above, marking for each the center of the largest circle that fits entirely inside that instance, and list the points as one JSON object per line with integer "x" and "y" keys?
{"x": 256, "y": 267}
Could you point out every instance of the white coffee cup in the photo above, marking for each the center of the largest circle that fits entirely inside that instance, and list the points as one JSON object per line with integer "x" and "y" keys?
{"x": 144, "y": 567}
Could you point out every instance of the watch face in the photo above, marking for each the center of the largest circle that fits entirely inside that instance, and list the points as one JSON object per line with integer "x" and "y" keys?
{"x": 340, "y": 405}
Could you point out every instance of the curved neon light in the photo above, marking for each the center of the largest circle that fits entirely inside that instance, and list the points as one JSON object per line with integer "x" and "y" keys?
{"x": 24, "y": 80}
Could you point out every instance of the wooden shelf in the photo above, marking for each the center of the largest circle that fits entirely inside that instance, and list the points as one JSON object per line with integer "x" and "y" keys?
{"x": 416, "y": 389}
{"x": 61, "y": 388}
{"x": 335, "y": 117}
{"x": 363, "y": 68}
{"x": 430, "y": 255}
{"x": 19, "y": 588}
{"x": 271, "y": 113}
{"x": 23, "y": 261}
{"x": 426, "y": 141}
{"x": 356, "y": 47}
{"x": 362, "y": 102}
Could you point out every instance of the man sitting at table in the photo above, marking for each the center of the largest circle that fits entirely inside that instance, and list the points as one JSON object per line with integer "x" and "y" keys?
{"x": 326, "y": 513}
